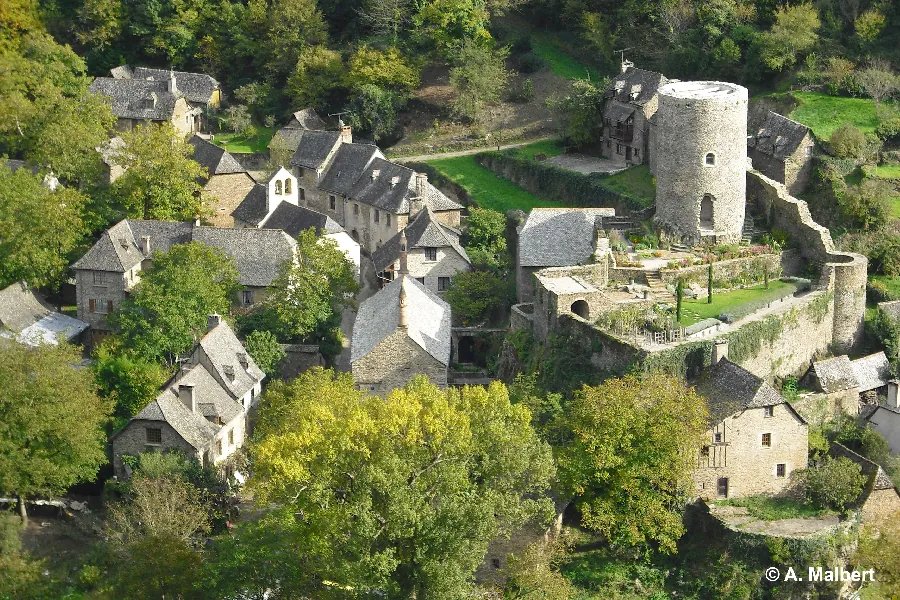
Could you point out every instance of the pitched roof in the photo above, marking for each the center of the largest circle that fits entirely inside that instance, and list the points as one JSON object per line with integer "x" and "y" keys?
{"x": 253, "y": 208}
{"x": 225, "y": 353}
{"x": 306, "y": 118}
{"x": 730, "y": 389}
{"x": 314, "y": 148}
{"x": 643, "y": 83}
{"x": 258, "y": 253}
{"x": 428, "y": 320}
{"x": 423, "y": 231}
{"x": 389, "y": 186}
{"x": 15, "y": 165}
{"x": 216, "y": 160}
{"x": 116, "y": 250}
{"x": 33, "y": 322}
{"x": 778, "y": 136}
{"x": 196, "y": 87}
{"x": 134, "y": 98}
{"x": 348, "y": 165}
{"x": 286, "y": 138}
{"x": 293, "y": 219}
{"x": 559, "y": 237}
{"x": 873, "y": 371}
{"x": 835, "y": 374}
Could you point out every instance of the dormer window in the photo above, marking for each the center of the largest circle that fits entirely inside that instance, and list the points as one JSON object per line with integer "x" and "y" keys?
{"x": 710, "y": 159}
{"x": 395, "y": 180}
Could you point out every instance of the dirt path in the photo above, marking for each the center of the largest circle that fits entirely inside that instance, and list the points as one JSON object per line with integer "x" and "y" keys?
{"x": 421, "y": 157}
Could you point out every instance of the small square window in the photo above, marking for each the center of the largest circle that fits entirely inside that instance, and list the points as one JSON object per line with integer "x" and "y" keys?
{"x": 92, "y": 305}
{"x": 154, "y": 435}
{"x": 109, "y": 307}
{"x": 332, "y": 202}
{"x": 302, "y": 193}
{"x": 767, "y": 440}
{"x": 495, "y": 562}
{"x": 299, "y": 172}
{"x": 387, "y": 219}
{"x": 443, "y": 284}
{"x": 717, "y": 437}
{"x": 231, "y": 437}
{"x": 769, "y": 411}
{"x": 780, "y": 470}
{"x": 218, "y": 447}
{"x": 431, "y": 254}
{"x": 710, "y": 159}
{"x": 809, "y": 151}
{"x": 98, "y": 278}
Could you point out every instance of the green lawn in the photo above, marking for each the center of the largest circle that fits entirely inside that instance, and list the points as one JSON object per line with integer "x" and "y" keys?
{"x": 891, "y": 283}
{"x": 823, "y": 113}
{"x": 548, "y": 147}
{"x": 238, "y": 144}
{"x": 694, "y": 311}
{"x": 561, "y": 62}
{"x": 636, "y": 181}
{"x": 488, "y": 190}
{"x": 775, "y": 509}
{"x": 887, "y": 171}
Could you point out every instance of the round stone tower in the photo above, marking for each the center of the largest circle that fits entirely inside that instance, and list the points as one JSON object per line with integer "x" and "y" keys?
{"x": 701, "y": 161}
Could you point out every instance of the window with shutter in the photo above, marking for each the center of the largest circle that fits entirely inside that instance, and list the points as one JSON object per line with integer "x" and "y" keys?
{"x": 92, "y": 306}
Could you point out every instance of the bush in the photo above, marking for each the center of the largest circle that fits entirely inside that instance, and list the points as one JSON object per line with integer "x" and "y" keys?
{"x": 531, "y": 63}
{"x": 848, "y": 142}
{"x": 265, "y": 350}
{"x": 864, "y": 441}
{"x": 522, "y": 45}
{"x": 867, "y": 205}
{"x": 522, "y": 92}
{"x": 475, "y": 296}
{"x": 836, "y": 483}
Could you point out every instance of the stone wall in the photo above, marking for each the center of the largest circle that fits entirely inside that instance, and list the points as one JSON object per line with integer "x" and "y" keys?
{"x": 820, "y": 408}
{"x": 879, "y": 500}
{"x": 298, "y": 359}
{"x": 110, "y": 287}
{"x": 521, "y": 317}
{"x": 447, "y": 264}
{"x": 395, "y": 361}
{"x": 223, "y": 193}
{"x": 725, "y": 270}
{"x": 132, "y": 441}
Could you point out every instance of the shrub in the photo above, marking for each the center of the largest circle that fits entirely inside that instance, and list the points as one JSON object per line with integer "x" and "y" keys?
{"x": 868, "y": 205}
{"x": 522, "y": 45}
{"x": 265, "y": 350}
{"x": 531, "y": 63}
{"x": 836, "y": 483}
{"x": 522, "y": 92}
{"x": 865, "y": 441}
{"x": 848, "y": 142}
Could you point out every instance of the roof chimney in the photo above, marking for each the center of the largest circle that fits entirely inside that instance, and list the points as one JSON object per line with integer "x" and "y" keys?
{"x": 421, "y": 185}
{"x": 229, "y": 373}
{"x": 346, "y": 134}
{"x": 145, "y": 245}
{"x": 173, "y": 87}
{"x": 893, "y": 398}
{"x": 404, "y": 267}
{"x": 186, "y": 395}
{"x": 626, "y": 64}
{"x": 720, "y": 351}
{"x": 213, "y": 321}
{"x": 402, "y": 322}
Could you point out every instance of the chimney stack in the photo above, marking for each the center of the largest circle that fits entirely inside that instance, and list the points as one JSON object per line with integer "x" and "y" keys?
{"x": 720, "y": 351}
{"x": 186, "y": 395}
{"x": 229, "y": 372}
{"x": 145, "y": 246}
{"x": 213, "y": 321}
{"x": 421, "y": 185}
{"x": 173, "y": 87}
{"x": 346, "y": 134}
{"x": 402, "y": 322}
{"x": 601, "y": 244}
{"x": 404, "y": 265}
{"x": 893, "y": 398}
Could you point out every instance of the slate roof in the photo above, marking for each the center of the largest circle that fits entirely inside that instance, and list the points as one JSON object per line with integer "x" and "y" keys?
{"x": 224, "y": 349}
{"x": 314, "y": 148}
{"x": 306, "y": 118}
{"x": 196, "y": 87}
{"x": 778, "y": 137}
{"x": 348, "y": 165}
{"x": 428, "y": 320}
{"x": 835, "y": 374}
{"x": 293, "y": 219}
{"x": 619, "y": 112}
{"x": 646, "y": 83}
{"x": 110, "y": 150}
{"x": 559, "y": 237}
{"x": 253, "y": 208}
{"x": 33, "y": 322}
{"x": 873, "y": 371}
{"x": 216, "y": 160}
{"x": 389, "y": 186}
{"x": 131, "y": 98}
{"x": 287, "y": 138}
{"x": 258, "y": 253}
{"x": 423, "y": 231}
{"x": 730, "y": 389}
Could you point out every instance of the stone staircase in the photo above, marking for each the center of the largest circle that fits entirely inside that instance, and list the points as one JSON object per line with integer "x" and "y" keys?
{"x": 749, "y": 230}
{"x": 679, "y": 248}
{"x": 658, "y": 287}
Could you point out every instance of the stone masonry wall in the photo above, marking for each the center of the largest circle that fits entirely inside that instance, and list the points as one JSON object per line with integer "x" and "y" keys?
{"x": 448, "y": 264}
{"x": 111, "y": 287}
{"x": 395, "y": 361}
{"x": 132, "y": 440}
{"x": 223, "y": 193}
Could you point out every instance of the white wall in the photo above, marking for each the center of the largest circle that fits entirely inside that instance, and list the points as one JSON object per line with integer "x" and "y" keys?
{"x": 280, "y": 181}
{"x": 348, "y": 246}
{"x": 887, "y": 423}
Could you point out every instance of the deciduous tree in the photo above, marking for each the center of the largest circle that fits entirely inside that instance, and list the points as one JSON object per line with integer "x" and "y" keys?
{"x": 478, "y": 78}
{"x": 263, "y": 346}
{"x": 477, "y": 295}
{"x": 793, "y": 35}
{"x": 485, "y": 238}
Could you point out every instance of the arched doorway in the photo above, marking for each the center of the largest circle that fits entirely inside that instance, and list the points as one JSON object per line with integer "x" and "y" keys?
{"x": 466, "y": 350}
{"x": 580, "y": 308}
{"x": 706, "y": 212}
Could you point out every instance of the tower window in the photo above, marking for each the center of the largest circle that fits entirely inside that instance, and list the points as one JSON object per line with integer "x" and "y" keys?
{"x": 710, "y": 159}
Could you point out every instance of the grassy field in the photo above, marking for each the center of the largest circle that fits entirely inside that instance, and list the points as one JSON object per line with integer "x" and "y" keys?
{"x": 887, "y": 171}
{"x": 775, "y": 509}
{"x": 823, "y": 113}
{"x": 238, "y": 144}
{"x": 693, "y": 311}
{"x": 561, "y": 62}
{"x": 487, "y": 189}
{"x": 636, "y": 181}
{"x": 548, "y": 147}
{"x": 891, "y": 283}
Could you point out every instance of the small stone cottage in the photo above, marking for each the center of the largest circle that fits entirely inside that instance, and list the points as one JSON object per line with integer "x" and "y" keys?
{"x": 631, "y": 101}
{"x": 782, "y": 149}
{"x": 141, "y": 101}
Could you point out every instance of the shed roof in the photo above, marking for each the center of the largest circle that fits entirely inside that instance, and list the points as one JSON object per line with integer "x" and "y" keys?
{"x": 872, "y": 371}
{"x": 216, "y": 160}
{"x": 254, "y": 207}
{"x": 306, "y": 118}
{"x": 559, "y": 237}
{"x": 32, "y": 321}
{"x": 835, "y": 374}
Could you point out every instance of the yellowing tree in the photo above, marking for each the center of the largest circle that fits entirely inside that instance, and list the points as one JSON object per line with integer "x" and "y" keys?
{"x": 793, "y": 34}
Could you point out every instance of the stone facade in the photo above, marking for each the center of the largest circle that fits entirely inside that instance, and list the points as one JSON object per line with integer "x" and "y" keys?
{"x": 101, "y": 292}
{"x": 182, "y": 119}
{"x": 739, "y": 456}
{"x": 700, "y": 161}
{"x": 223, "y": 193}
{"x": 447, "y": 264}
{"x": 794, "y": 172}
{"x": 394, "y": 362}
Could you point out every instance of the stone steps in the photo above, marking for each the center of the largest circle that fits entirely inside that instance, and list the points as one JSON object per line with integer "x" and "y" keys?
{"x": 679, "y": 248}
{"x": 658, "y": 287}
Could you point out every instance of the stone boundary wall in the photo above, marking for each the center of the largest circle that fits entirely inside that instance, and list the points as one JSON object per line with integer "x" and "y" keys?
{"x": 299, "y": 358}
{"x": 519, "y": 318}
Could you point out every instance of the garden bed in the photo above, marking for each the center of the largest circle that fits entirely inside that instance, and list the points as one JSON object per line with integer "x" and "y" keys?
{"x": 736, "y": 303}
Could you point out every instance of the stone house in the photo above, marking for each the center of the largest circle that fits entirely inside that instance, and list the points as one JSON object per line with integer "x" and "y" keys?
{"x": 885, "y": 416}
{"x": 880, "y": 499}
{"x": 556, "y": 237}
{"x": 142, "y": 101}
{"x": 275, "y": 204}
{"x": 110, "y": 152}
{"x": 400, "y": 332}
{"x": 434, "y": 254}
{"x": 29, "y": 320}
{"x": 226, "y": 184}
{"x": 630, "y": 103}
{"x": 782, "y": 149}
{"x": 202, "y": 92}
{"x": 756, "y": 439}
{"x": 108, "y": 272}
{"x": 285, "y": 141}
{"x": 202, "y": 411}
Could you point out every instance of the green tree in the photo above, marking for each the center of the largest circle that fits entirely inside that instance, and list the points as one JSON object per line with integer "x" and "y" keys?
{"x": 373, "y": 110}
{"x": 294, "y": 26}
{"x": 879, "y": 82}
{"x": 793, "y": 35}
{"x": 835, "y": 483}
{"x": 317, "y": 76}
{"x": 263, "y": 346}
{"x": 20, "y": 576}
{"x": 39, "y": 229}
{"x": 130, "y": 381}
{"x": 51, "y": 422}
{"x": 847, "y": 142}
{"x": 868, "y": 205}
{"x": 99, "y": 23}
{"x": 399, "y": 494}
{"x": 534, "y": 574}
{"x": 312, "y": 289}
{"x": 580, "y": 113}
{"x": 478, "y": 78}
{"x": 386, "y": 69}
{"x": 485, "y": 238}
{"x": 869, "y": 25}
{"x": 629, "y": 456}
{"x": 442, "y": 27}
{"x": 474, "y": 296}
{"x": 709, "y": 284}
{"x": 168, "y": 309}
{"x": 160, "y": 181}
{"x": 240, "y": 121}
{"x": 878, "y": 546}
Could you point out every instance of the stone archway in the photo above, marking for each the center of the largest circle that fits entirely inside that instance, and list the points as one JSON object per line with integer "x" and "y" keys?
{"x": 706, "y": 211}
{"x": 466, "y": 350}
{"x": 581, "y": 308}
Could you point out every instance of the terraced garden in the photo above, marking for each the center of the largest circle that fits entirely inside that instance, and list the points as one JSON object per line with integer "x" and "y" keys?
{"x": 695, "y": 310}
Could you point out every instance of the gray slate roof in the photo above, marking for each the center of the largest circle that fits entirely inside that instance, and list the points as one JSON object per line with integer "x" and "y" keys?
{"x": 131, "y": 98}
{"x": 424, "y": 231}
{"x": 428, "y": 319}
{"x": 293, "y": 219}
{"x": 646, "y": 83}
{"x": 33, "y": 322}
{"x": 253, "y": 208}
{"x": 286, "y": 138}
{"x": 348, "y": 165}
{"x": 224, "y": 349}
{"x": 730, "y": 389}
{"x": 778, "y": 137}
{"x": 216, "y": 160}
{"x": 307, "y": 118}
{"x": 258, "y": 253}
{"x": 873, "y": 371}
{"x": 196, "y": 87}
{"x": 314, "y": 148}
{"x": 389, "y": 186}
{"x": 559, "y": 237}
{"x": 835, "y": 374}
